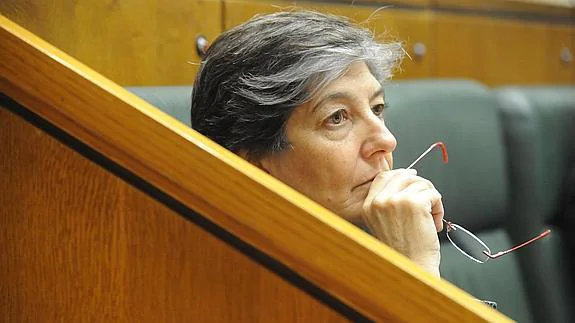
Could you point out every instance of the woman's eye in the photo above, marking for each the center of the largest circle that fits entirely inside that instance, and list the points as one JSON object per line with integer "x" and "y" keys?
{"x": 378, "y": 109}
{"x": 337, "y": 118}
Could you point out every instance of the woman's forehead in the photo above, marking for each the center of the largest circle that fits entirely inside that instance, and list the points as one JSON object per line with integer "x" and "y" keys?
{"x": 357, "y": 81}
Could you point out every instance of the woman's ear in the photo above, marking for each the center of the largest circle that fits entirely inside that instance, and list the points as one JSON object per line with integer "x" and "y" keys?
{"x": 259, "y": 163}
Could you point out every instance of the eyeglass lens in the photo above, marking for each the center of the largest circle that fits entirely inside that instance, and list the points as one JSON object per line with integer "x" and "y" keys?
{"x": 467, "y": 243}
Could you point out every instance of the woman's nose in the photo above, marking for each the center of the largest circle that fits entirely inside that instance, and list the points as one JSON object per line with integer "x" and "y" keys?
{"x": 378, "y": 138}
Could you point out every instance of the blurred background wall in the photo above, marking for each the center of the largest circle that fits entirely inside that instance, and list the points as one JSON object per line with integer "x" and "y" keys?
{"x": 153, "y": 42}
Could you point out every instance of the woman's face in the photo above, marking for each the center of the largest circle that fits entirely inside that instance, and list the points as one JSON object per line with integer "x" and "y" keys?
{"x": 339, "y": 143}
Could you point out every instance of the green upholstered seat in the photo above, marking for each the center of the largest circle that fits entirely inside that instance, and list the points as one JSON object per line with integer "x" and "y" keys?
{"x": 474, "y": 184}
{"x": 174, "y": 100}
{"x": 539, "y": 125}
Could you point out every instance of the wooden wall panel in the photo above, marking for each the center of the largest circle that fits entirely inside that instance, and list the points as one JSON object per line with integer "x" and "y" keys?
{"x": 388, "y": 24}
{"x": 414, "y": 29}
{"x": 467, "y": 42}
{"x": 459, "y": 49}
{"x": 80, "y": 245}
{"x": 132, "y": 42}
{"x": 154, "y": 44}
{"x": 518, "y": 52}
{"x": 541, "y": 8}
{"x": 561, "y": 40}
{"x": 497, "y": 51}
{"x": 515, "y": 52}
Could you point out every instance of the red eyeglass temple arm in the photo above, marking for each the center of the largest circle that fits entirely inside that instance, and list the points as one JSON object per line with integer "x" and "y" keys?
{"x": 502, "y": 253}
{"x": 437, "y": 144}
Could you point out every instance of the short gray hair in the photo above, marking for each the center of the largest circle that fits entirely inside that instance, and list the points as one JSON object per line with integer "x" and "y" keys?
{"x": 254, "y": 75}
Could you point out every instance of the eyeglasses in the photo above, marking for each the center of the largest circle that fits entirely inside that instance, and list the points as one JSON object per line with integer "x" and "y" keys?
{"x": 463, "y": 240}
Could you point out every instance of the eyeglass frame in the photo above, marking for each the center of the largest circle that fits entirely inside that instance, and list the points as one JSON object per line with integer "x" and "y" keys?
{"x": 450, "y": 225}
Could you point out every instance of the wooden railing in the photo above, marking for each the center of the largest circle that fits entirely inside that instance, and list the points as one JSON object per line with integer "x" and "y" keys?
{"x": 122, "y": 218}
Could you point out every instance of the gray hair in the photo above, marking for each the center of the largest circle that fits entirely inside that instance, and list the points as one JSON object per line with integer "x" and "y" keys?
{"x": 254, "y": 75}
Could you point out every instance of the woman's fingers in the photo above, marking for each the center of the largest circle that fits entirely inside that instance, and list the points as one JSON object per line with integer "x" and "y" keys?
{"x": 418, "y": 186}
{"x": 434, "y": 204}
{"x": 390, "y": 182}
{"x": 429, "y": 198}
{"x": 404, "y": 185}
{"x": 405, "y": 211}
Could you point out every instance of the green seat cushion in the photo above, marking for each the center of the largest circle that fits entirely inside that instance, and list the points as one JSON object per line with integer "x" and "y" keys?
{"x": 500, "y": 281}
{"x": 539, "y": 125}
{"x": 463, "y": 115}
{"x": 174, "y": 100}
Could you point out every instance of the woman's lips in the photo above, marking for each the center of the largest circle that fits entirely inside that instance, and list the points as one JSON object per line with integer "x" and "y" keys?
{"x": 365, "y": 183}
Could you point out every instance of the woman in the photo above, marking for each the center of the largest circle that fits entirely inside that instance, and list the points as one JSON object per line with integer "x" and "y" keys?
{"x": 300, "y": 95}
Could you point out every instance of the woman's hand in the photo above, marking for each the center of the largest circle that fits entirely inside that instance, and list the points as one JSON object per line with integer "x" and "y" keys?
{"x": 405, "y": 211}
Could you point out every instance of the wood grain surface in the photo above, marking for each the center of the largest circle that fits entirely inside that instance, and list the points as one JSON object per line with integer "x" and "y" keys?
{"x": 387, "y": 24}
{"x": 132, "y": 42}
{"x": 494, "y": 42}
{"x": 321, "y": 247}
{"x": 153, "y": 42}
{"x": 519, "y": 7}
{"x": 500, "y": 52}
{"x": 81, "y": 245}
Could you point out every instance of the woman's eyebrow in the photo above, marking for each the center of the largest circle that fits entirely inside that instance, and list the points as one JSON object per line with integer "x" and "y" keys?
{"x": 344, "y": 95}
{"x": 331, "y": 97}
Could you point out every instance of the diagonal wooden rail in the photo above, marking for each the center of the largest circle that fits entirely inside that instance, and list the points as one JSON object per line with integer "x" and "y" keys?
{"x": 320, "y": 247}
